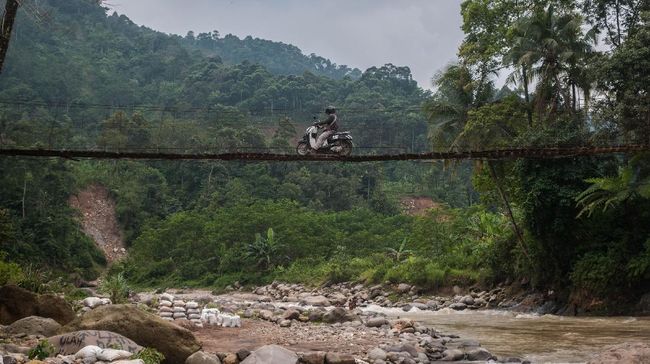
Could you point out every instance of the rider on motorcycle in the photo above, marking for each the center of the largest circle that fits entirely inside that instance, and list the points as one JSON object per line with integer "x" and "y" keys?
{"x": 330, "y": 126}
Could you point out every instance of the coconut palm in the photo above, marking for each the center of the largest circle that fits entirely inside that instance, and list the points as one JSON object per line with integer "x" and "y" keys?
{"x": 447, "y": 109}
{"x": 551, "y": 49}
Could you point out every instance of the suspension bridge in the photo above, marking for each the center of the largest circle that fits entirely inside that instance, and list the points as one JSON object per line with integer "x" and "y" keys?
{"x": 491, "y": 154}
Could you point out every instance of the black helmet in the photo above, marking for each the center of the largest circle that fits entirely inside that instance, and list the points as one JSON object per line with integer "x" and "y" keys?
{"x": 330, "y": 110}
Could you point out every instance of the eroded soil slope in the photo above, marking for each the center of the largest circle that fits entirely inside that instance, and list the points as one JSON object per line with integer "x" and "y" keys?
{"x": 99, "y": 221}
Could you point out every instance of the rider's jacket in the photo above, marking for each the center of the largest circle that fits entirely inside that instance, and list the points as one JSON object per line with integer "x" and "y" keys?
{"x": 331, "y": 123}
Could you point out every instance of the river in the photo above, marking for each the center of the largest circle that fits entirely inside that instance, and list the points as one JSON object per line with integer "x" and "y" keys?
{"x": 540, "y": 339}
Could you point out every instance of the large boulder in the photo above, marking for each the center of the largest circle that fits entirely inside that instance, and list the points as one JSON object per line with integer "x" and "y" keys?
{"x": 271, "y": 354}
{"x": 146, "y": 329}
{"x": 70, "y": 343}
{"x": 201, "y": 357}
{"x": 34, "y": 325}
{"x": 17, "y": 303}
{"x": 631, "y": 353}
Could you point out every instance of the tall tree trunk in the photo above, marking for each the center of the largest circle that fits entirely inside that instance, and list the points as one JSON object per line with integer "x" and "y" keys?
{"x": 529, "y": 111}
{"x": 11, "y": 8}
{"x": 24, "y": 194}
{"x": 573, "y": 91}
{"x": 618, "y": 20}
{"x": 506, "y": 203}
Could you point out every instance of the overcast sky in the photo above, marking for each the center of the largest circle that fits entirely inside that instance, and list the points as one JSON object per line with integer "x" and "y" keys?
{"x": 421, "y": 34}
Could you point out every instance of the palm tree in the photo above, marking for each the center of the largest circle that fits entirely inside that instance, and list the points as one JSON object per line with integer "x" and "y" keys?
{"x": 551, "y": 48}
{"x": 447, "y": 109}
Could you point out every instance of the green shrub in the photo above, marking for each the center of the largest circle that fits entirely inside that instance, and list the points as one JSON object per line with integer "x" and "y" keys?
{"x": 116, "y": 287}
{"x": 41, "y": 351}
{"x": 596, "y": 272}
{"x": 149, "y": 356}
{"x": 10, "y": 273}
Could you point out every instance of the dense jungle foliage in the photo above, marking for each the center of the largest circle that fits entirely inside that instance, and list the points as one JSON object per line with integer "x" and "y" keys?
{"x": 578, "y": 75}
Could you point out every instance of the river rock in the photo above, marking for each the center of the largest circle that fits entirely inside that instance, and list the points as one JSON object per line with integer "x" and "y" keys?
{"x": 468, "y": 300}
{"x": 271, "y": 354}
{"x": 17, "y": 303}
{"x": 314, "y": 357}
{"x": 338, "y": 314}
{"x": 403, "y": 288}
{"x": 403, "y": 348}
{"x": 335, "y": 358}
{"x": 148, "y": 330}
{"x": 453, "y": 355}
{"x": 242, "y": 354}
{"x": 376, "y": 322}
{"x": 377, "y": 354}
{"x": 231, "y": 358}
{"x": 34, "y": 325}
{"x": 291, "y": 314}
{"x": 459, "y": 306}
{"x": 478, "y": 354}
{"x": 316, "y": 301}
{"x": 629, "y": 353}
{"x": 201, "y": 357}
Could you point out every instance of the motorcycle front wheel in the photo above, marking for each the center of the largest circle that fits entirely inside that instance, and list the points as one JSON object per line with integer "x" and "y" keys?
{"x": 303, "y": 149}
{"x": 346, "y": 148}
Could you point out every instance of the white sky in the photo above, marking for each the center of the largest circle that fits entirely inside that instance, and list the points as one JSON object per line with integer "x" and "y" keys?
{"x": 421, "y": 34}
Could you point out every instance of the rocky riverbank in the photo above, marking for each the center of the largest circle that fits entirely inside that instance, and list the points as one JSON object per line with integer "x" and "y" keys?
{"x": 339, "y": 324}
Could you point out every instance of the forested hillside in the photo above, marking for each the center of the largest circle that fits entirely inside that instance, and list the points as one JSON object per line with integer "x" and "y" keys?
{"x": 79, "y": 77}
{"x": 277, "y": 57}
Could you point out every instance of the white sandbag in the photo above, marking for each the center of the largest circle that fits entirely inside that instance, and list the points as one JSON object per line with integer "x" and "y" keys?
{"x": 165, "y": 303}
{"x": 92, "y": 302}
{"x": 165, "y": 309}
{"x": 88, "y": 353}
{"x": 113, "y": 354}
{"x": 106, "y": 301}
{"x": 167, "y": 297}
{"x": 193, "y": 311}
{"x": 192, "y": 304}
{"x": 179, "y": 315}
{"x": 194, "y": 316}
{"x": 166, "y": 314}
{"x": 179, "y": 309}
{"x": 179, "y": 303}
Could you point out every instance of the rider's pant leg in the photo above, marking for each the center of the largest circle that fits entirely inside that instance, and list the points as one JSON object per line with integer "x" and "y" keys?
{"x": 322, "y": 138}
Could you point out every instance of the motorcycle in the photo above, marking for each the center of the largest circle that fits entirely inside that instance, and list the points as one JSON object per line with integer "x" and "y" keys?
{"x": 340, "y": 143}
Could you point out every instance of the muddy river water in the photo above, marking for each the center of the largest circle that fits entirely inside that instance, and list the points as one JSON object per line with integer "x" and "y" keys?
{"x": 540, "y": 339}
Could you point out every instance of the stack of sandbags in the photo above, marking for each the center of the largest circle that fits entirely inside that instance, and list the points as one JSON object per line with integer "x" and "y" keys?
{"x": 212, "y": 316}
{"x": 165, "y": 307}
{"x": 179, "y": 310}
{"x": 193, "y": 313}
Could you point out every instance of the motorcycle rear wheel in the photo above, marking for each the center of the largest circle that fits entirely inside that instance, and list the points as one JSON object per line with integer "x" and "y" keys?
{"x": 346, "y": 148}
{"x": 303, "y": 149}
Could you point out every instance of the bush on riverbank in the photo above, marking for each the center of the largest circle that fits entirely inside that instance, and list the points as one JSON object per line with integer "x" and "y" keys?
{"x": 209, "y": 249}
